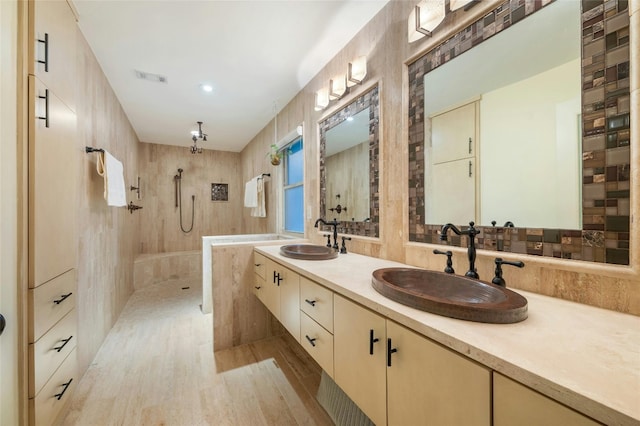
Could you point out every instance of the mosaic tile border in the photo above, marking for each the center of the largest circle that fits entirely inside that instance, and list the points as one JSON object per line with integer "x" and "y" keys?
{"x": 368, "y": 99}
{"x": 605, "y": 142}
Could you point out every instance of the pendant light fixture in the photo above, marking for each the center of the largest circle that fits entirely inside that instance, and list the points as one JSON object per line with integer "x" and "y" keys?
{"x": 195, "y": 135}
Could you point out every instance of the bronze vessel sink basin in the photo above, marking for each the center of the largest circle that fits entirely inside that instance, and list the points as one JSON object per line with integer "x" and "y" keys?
{"x": 308, "y": 252}
{"x": 450, "y": 295}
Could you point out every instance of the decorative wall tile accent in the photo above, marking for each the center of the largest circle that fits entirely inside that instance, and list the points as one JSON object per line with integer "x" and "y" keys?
{"x": 605, "y": 142}
{"x": 371, "y": 99}
{"x": 219, "y": 192}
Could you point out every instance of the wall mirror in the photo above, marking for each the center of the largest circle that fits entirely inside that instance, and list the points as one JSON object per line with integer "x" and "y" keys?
{"x": 349, "y": 166}
{"x": 530, "y": 126}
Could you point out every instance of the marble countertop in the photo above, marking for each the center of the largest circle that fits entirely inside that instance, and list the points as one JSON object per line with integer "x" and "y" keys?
{"x": 584, "y": 357}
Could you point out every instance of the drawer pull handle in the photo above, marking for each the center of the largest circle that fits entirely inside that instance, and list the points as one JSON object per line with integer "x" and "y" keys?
{"x": 46, "y": 52}
{"x": 277, "y": 278}
{"x": 258, "y": 287}
{"x": 59, "y": 348}
{"x": 257, "y": 264}
{"x": 311, "y": 302}
{"x": 66, "y": 386}
{"x": 62, "y": 298}
{"x": 46, "y": 108}
{"x": 390, "y": 351}
{"x": 372, "y": 340}
{"x": 312, "y": 341}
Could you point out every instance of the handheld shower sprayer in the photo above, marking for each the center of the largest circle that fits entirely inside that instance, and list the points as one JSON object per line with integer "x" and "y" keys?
{"x": 177, "y": 179}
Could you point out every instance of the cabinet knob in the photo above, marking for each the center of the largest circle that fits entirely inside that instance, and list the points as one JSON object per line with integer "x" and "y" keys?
{"x": 372, "y": 340}
{"x": 66, "y": 386}
{"x": 3, "y": 324}
{"x": 62, "y": 298}
{"x": 258, "y": 287}
{"x": 390, "y": 351}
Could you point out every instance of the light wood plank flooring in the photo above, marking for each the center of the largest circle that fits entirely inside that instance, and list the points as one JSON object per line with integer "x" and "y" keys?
{"x": 157, "y": 367}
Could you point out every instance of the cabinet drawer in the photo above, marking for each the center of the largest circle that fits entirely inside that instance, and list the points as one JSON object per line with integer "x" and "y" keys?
{"x": 318, "y": 342}
{"x": 259, "y": 288}
{"x": 317, "y": 302}
{"x": 50, "y": 302}
{"x": 56, "y": 392}
{"x": 259, "y": 262}
{"x": 50, "y": 350}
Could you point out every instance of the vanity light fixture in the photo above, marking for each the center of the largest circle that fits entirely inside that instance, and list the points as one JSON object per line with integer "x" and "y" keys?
{"x": 337, "y": 87}
{"x": 357, "y": 71}
{"x": 424, "y": 18}
{"x": 457, "y": 4}
{"x": 195, "y": 135}
{"x": 322, "y": 99}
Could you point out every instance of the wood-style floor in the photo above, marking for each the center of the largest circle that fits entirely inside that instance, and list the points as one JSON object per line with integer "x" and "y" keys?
{"x": 157, "y": 367}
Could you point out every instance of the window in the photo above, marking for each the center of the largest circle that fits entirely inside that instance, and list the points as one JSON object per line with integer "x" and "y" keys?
{"x": 294, "y": 187}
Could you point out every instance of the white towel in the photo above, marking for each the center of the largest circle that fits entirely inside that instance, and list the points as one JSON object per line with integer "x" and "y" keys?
{"x": 112, "y": 172}
{"x": 260, "y": 210}
{"x": 251, "y": 193}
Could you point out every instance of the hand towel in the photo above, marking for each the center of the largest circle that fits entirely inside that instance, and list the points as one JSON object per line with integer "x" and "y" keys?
{"x": 251, "y": 193}
{"x": 260, "y": 210}
{"x": 112, "y": 171}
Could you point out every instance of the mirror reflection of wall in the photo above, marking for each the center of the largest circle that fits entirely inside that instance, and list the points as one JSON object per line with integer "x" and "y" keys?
{"x": 347, "y": 168}
{"x": 521, "y": 159}
{"x": 349, "y": 165}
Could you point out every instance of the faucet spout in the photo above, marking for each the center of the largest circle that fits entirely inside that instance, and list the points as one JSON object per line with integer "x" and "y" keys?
{"x": 471, "y": 250}
{"x": 333, "y": 223}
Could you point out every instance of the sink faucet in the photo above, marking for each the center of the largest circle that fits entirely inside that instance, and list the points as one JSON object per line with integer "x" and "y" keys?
{"x": 333, "y": 223}
{"x": 471, "y": 251}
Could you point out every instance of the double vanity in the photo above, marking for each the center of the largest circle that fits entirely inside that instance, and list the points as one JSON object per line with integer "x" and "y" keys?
{"x": 566, "y": 363}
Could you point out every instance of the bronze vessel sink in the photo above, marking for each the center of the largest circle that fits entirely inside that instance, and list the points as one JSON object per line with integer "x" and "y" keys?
{"x": 450, "y": 295}
{"x": 308, "y": 252}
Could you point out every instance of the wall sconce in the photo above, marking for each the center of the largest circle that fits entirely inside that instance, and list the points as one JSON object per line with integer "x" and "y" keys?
{"x": 337, "y": 87}
{"x": 322, "y": 99}
{"x": 457, "y": 4}
{"x": 357, "y": 71}
{"x": 424, "y": 18}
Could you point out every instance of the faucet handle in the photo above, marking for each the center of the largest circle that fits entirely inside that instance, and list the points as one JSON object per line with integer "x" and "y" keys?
{"x": 498, "y": 280}
{"x": 343, "y": 249}
{"x": 328, "y": 239}
{"x": 449, "y": 254}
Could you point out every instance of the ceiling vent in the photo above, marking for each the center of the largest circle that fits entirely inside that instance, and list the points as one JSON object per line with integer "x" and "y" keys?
{"x": 156, "y": 78}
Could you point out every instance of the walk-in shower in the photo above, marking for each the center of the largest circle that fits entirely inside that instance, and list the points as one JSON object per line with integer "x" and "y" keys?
{"x": 177, "y": 180}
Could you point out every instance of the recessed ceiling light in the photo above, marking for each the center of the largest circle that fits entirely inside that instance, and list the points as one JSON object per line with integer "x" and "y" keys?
{"x": 349, "y": 118}
{"x": 206, "y": 87}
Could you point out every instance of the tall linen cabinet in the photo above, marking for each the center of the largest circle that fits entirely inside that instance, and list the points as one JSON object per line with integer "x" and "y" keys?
{"x": 52, "y": 203}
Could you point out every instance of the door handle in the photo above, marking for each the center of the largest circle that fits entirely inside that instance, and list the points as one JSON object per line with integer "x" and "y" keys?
{"x": 3, "y": 324}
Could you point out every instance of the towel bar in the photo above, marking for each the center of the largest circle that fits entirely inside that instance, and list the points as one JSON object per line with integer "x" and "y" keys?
{"x": 265, "y": 174}
{"x": 89, "y": 149}
{"x": 133, "y": 207}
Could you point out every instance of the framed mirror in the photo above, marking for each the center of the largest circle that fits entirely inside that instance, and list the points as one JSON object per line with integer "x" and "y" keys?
{"x": 567, "y": 188}
{"x": 349, "y": 141}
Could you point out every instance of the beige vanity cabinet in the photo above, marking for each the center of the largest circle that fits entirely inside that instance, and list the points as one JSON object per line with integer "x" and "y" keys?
{"x": 516, "y": 404}
{"x": 430, "y": 384}
{"x": 316, "y": 323}
{"x": 282, "y": 296}
{"x": 52, "y": 26}
{"x": 359, "y": 364}
{"x": 399, "y": 377}
{"x": 52, "y": 203}
{"x": 259, "y": 282}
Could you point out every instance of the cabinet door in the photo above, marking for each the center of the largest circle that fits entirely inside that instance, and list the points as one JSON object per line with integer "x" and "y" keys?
{"x": 52, "y": 184}
{"x": 429, "y": 384}
{"x": 453, "y": 134}
{"x": 271, "y": 295}
{"x": 515, "y": 404}
{"x": 290, "y": 301}
{"x": 453, "y": 193}
{"x": 53, "y": 23}
{"x": 358, "y": 371}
